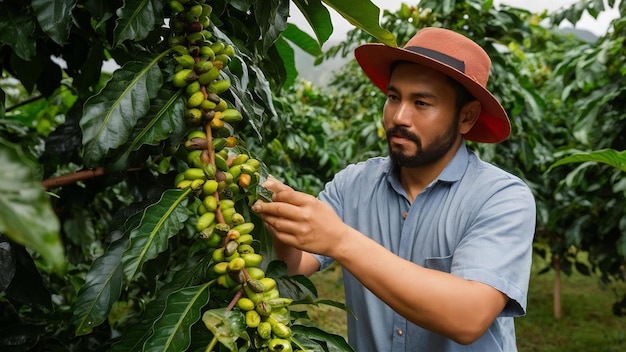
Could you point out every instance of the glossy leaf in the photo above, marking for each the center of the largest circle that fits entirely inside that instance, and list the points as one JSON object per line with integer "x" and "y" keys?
{"x": 101, "y": 289}
{"x": 137, "y": 18}
{"x": 102, "y": 11}
{"x": 110, "y": 116}
{"x": 335, "y": 304}
{"x": 227, "y": 326}
{"x": 159, "y": 222}
{"x": 287, "y": 54}
{"x": 252, "y": 94}
{"x": 318, "y": 17}
{"x": 26, "y": 215}
{"x": 311, "y": 336}
{"x": 163, "y": 121}
{"x": 272, "y": 19}
{"x": 608, "y": 156}
{"x": 296, "y": 287}
{"x": 364, "y": 15}
{"x": 302, "y": 39}
{"x": 55, "y": 18}
{"x": 16, "y": 28}
{"x": 171, "y": 332}
{"x": 135, "y": 335}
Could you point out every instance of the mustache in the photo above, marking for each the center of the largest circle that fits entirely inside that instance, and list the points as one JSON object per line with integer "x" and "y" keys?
{"x": 404, "y": 133}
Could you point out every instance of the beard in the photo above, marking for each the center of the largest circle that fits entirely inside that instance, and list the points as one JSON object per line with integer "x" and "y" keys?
{"x": 422, "y": 156}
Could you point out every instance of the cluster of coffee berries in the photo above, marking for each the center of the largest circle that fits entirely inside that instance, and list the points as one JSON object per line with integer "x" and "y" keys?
{"x": 236, "y": 266}
{"x": 216, "y": 170}
{"x": 220, "y": 174}
{"x": 199, "y": 61}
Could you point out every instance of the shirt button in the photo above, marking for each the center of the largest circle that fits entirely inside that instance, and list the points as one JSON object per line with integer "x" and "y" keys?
{"x": 405, "y": 214}
{"x": 400, "y": 332}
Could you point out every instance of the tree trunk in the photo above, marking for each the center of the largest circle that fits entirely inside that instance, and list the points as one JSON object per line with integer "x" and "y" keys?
{"x": 556, "y": 291}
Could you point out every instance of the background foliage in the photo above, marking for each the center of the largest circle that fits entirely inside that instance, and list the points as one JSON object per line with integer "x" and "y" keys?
{"x": 564, "y": 96}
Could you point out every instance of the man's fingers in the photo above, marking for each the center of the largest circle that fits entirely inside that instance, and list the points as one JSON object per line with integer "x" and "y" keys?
{"x": 275, "y": 186}
{"x": 280, "y": 226}
{"x": 275, "y": 209}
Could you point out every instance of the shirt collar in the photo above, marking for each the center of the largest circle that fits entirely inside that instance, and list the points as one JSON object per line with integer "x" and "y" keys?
{"x": 457, "y": 166}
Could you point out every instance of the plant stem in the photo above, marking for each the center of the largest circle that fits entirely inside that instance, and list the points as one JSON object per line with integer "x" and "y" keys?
{"x": 69, "y": 179}
{"x": 212, "y": 344}
{"x": 293, "y": 341}
{"x": 233, "y": 301}
{"x": 211, "y": 159}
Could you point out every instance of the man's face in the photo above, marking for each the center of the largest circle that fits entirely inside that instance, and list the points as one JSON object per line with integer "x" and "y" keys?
{"x": 419, "y": 116}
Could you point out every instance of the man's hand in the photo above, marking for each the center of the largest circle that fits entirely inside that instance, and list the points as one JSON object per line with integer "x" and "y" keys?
{"x": 300, "y": 220}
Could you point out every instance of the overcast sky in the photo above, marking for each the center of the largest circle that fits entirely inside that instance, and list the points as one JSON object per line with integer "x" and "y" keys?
{"x": 341, "y": 26}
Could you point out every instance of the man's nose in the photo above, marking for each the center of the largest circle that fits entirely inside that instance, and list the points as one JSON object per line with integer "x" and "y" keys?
{"x": 402, "y": 115}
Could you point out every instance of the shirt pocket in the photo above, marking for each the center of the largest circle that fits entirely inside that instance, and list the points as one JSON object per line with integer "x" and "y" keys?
{"x": 439, "y": 263}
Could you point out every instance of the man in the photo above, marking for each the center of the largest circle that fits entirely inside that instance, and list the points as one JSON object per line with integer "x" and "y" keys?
{"x": 435, "y": 243}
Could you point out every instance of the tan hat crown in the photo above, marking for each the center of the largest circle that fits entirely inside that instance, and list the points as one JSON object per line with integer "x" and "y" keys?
{"x": 455, "y": 49}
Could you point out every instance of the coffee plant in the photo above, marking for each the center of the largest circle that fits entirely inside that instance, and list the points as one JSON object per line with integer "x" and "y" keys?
{"x": 142, "y": 238}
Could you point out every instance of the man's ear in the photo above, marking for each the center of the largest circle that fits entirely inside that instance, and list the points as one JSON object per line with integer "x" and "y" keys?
{"x": 468, "y": 116}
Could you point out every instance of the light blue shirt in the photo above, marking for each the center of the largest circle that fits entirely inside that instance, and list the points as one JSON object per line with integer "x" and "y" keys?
{"x": 475, "y": 221}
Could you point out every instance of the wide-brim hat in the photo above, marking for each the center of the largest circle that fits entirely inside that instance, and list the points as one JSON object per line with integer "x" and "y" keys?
{"x": 451, "y": 54}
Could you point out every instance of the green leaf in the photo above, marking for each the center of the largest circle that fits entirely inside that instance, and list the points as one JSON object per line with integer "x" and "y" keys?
{"x": 249, "y": 88}
{"x": 608, "y": 156}
{"x": 364, "y": 15}
{"x": 302, "y": 40}
{"x": 318, "y": 17}
{"x": 242, "y": 5}
{"x": 159, "y": 222}
{"x": 135, "y": 335}
{"x": 227, "y": 326}
{"x": 28, "y": 72}
{"x": 16, "y": 29}
{"x": 296, "y": 287}
{"x": 166, "y": 122}
{"x": 101, "y": 11}
{"x": 330, "y": 342}
{"x": 55, "y": 18}
{"x": 335, "y": 304}
{"x": 137, "y": 18}
{"x": 272, "y": 19}
{"x": 171, "y": 332}
{"x": 287, "y": 54}
{"x": 110, "y": 116}
{"x": 90, "y": 69}
{"x": 244, "y": 91}
{"x": 102, "y": 288}
{"x": 26, "y": 215}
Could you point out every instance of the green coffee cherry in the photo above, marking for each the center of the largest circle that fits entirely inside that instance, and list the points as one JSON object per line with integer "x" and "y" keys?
{"x": 279, "y": 345}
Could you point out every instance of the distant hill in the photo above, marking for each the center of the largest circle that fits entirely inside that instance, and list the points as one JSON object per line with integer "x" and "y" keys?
{"x": 583, "y": 34}
{"x": 319, "y": 75}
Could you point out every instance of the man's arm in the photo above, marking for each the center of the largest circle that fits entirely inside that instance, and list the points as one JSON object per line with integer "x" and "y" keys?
{"x": 297, "y": 261}
{"x": 454, "y": 307}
